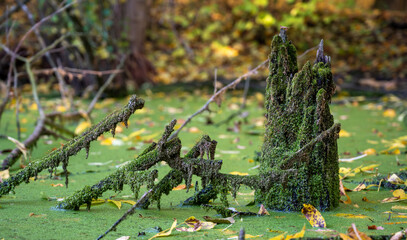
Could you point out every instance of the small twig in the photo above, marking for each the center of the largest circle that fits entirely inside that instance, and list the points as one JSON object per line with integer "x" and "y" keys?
{"x": 218, "y": 93}
{"x": 104, "y": 86}
{"x": 17, "y": 103}
{"x": 128, "y": 213}
{"x": 74, "y": 71}
{"x": 215, "y": 80}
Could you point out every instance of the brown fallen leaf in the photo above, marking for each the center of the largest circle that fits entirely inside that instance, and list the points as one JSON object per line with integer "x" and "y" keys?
{"x": 354, "y": 233}
{"x": 263, "y": 211}
{"x": 374, "y": 227}
{"x": 57, "y": 185}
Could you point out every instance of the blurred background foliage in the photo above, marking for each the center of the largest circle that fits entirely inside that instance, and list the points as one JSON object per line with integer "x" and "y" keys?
{"x": 185, "y": 40}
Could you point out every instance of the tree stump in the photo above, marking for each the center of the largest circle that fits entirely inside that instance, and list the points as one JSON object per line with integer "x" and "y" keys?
{"x": 299, "y": 161}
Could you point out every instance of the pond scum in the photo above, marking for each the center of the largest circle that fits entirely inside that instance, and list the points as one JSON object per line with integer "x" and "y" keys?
{"x": 298, "y": 164}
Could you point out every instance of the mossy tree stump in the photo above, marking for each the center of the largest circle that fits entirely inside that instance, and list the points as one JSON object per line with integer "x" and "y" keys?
{"x": 299, "y": 161}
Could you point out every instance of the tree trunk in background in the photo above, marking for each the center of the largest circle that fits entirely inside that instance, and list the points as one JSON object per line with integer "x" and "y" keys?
{"x": 137, "y": 66}
{"x": 300, "y": 148}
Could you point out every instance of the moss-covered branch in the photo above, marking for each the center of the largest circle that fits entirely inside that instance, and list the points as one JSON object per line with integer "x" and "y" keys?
{"x": 62, "y": 154}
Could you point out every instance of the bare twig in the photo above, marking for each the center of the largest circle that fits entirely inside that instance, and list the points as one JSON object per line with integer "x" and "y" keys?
{"x": 130, "y": 212}
{"x": 104, "y": 86}
{"x": 10, "y": 11}
{"x": 218, "y": 94}
{"x": 74, "y": 71}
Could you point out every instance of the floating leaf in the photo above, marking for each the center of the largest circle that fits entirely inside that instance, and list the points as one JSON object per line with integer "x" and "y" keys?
{"x": 238, "y": 173}
{"x": 194, "y": 130}
{"x": 345, "y": 237}
{"x": 133, "y": 136}
{"x": 279, "y": 237}
{"x": 263, "y": 210}
{"x": 395, "y": 179}
{"x": 313, "y": 216}
{"x": 349, "y": 215}
{"x": 343, "y": 133}
{"x": 359, "y": 187}
{"x": 357, "y": 234}
{"x": 228, "y": 220}
{"x": 82, "y": 127}
{"x": 374, "y": 227}
{"x": 5, "y": 174}
{"x": 399, "y": 207}
{"x": 111, "y": 141}
{"x": 298, "y": 234}
{"x": 57, "y": 185}
{"x": 181, "y": 187}
{"x": 166, "y": 232}
{"x": 118, "y": 204}
{"x": 390, "y": 113}
{"x": 123, "y": 238}
{"x": 128, "y": 202}
{"x": 392, "y": 223}
{"x": 246, "y": 236}
{"x": 370, "y": 151}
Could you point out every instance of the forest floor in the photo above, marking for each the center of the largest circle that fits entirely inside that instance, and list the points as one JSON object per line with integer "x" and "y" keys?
{"x": 368, "y": 127}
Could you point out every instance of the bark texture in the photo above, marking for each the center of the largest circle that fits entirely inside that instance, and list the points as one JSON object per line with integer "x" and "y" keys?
{"x": 300, "y": 144}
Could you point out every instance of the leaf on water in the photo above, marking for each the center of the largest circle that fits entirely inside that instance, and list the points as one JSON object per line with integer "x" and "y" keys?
{"x": 111, "y": 141}
{"x": 181, "y": 187}
{"x": 342, "y": 191}
{"x": 298, "y": 234}
{"x": 5, "y": 174}
{"x": 194, "y": 223}
{"x": 123, "y": 238}
{"x": 354, "y": 233}
{"x": 194, "y": 130}
{"x": 187, "y": 229}
{"x": 82, "y": 127}
{"x": 313, "y": 216}
{"x": 390, "y": 113}
{"x": 238, "y": 173}
{"x": 374, "y": 227}
{"x": 263, "y": 210}
{"x": 133, "y": 136}
{"x": 279, "y": 237}
{"x": 228, "y": 231}
{"x": 57, "y": 185}
{"x": 398, "y": 195}
{"x": 370, "y": 151}
{"x": 349, "y": 215}
{"x": 118, "y": 204}
{"x": 399, "y": 207}
{"x": 228, "y": 220}
{"x": 166, "y": 232}
{"x": 359, "y": 187}
{"x": 343, "y": 133}
{"x": 128, "y": 202}
{"x": 364, "y": 199}
{"x": 345, "y": 237}
{"x": 392, "y": 223}
{"x": 394, "y": 179}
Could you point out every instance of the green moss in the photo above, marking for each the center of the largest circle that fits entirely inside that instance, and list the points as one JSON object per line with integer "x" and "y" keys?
{"x": 297, "y": 114}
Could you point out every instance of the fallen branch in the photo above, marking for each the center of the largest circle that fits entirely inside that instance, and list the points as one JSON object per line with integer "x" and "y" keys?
{"x": 218, "y": 94}
{"x": 62, "y": 154}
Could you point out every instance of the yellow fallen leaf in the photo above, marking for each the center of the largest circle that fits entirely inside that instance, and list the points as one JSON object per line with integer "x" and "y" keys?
{"x": 391, "y": 223}
{"x": 238, "y": 173}
{"x": 370, "y": 151}
{"x": 399, "y": 207}
{"x": 20, "y": 146}
{"x": 345, "y": 237}
{"x": 344, "y": 170}
{"x": 349, "y": 215}
{"x": 297, "y": 235}
{"x": 33, "y": 107}
{"x": 132, "y": 136}
{"x": 358, "y": 234}
{"x": 246, "y": 236}
{"x": 343, "y": 133}
{"x": 359, "y": 187}
{"x": 278, "y": 237}
{"x": 313, "y": 216}
{"x": 57, "y": 185}
{"x": 61, "y": 108}
{"x": 128, "y": 202}
{"x": 148, "y": 137}
{"x": 166, "y": 232}
{"x": 82, "y": 127}
{"x": 400, "y": 194}
{"x": 5, "y": 174}
{"x": 390, "y": 113}
{"x": 181, "y": 187}
{"x": 118, "y": 204}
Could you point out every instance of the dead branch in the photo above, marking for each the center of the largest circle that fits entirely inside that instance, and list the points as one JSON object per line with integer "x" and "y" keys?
{"x": 62, "y": 154}
{"x": 219, "y": 93}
